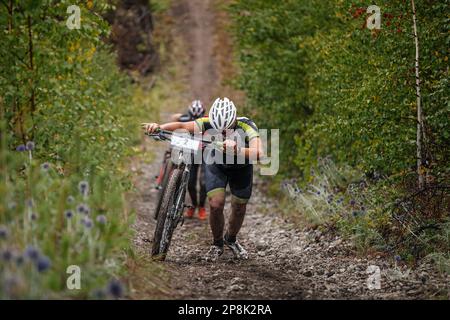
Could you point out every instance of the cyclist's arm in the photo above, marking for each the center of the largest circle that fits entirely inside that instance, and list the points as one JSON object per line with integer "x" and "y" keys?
{"x": 254, "y": 151}
{"x": 172, "y": 126}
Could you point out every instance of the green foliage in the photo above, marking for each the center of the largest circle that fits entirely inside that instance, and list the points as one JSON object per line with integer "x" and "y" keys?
{"x": 61, "y": 89}
{"x": 340, "y": 89}
{"x": 67, "y": 225}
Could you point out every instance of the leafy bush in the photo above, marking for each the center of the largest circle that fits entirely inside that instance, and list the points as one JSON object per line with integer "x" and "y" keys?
{"x": 50, "y": 222}
{"x": 61, "y": 89}
{"x": 314, "y": 70}
{"x": 339, "y": 90}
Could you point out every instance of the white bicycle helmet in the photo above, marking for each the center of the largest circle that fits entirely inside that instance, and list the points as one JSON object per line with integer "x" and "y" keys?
{"x": 196, "y": 109}
{"x": 222, "y": 114}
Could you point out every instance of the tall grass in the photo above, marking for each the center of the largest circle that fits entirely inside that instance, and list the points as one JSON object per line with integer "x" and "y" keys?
{"x": 49, "y": 222}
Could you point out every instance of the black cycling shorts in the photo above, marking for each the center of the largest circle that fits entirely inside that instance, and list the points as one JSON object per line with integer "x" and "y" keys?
{"x": 240, "y": 179}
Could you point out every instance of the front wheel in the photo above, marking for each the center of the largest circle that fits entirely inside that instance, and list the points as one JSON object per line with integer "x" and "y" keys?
{"x": 165, "y": 225}
{"x": 167, "y": 171}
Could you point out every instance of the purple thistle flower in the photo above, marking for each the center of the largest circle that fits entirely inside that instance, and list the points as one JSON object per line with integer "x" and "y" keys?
{"x": 87, "y": 222}
{"x": 318, "y": 193}
{"x": 21, "y": 148}
{"x": 68, "y": 214}
{"x": 397, "y": 258}
{"x": 7, "y": 255}
{"x": 83, "y": 208}
{"x": 30, "y": 146}
{"x": 43, "y": 264}
{"x": 45, "y": 166}
{"x": 32, "y": 253}
{"x": 115, "y": 289}
{"x": 3, "y": 232}
{"x": 83, "y": 186}
{"x": 298, "y": 190}
{"x": 101, "y": 219}
{"x": 352, "y": 202}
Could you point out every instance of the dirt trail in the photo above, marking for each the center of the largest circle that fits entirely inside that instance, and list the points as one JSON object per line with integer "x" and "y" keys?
{"x": 284, "y": 263}
{"x": 195, "y": 23}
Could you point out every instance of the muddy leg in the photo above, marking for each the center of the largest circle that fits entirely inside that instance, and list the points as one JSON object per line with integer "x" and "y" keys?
{"x": 236, "y": 219}
{"x": 216, "y": 218}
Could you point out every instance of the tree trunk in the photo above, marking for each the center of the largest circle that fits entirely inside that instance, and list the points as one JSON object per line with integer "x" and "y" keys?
{"x": 420, "y": 127}
{"x": 132, "y": 27}
{"x": 31, "y": 66}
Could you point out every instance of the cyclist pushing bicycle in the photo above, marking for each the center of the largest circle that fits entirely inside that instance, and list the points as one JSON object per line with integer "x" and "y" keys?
{"x": 194, "y": 112}
{"x": 232, "y": 166}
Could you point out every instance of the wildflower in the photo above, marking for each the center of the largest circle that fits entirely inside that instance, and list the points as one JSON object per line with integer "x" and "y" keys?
{"x": 33, "y": 216}
{"x": 45, "y": 166}
{"x": 318, "y": 193}
{"x": 83, "y": 208}
{"x": 397, "y": 258}
{"x": 7, "y": 255}
{"x": 30, "y": 146}
{"x": 115, "y": 289}
{"x": 352, "y": 202}
{"x": 68, "y": 214}
{"x": 70, "y": 199}
{"x": 32, "y": 253}
{"x": 101, "y": 219}
{"x": 87, "y": 222}
{"x": 3, "y": 232}
{"x": 83, "y": 186}
{"x": 43, "y": 264}
{"x": 21, "y": 148}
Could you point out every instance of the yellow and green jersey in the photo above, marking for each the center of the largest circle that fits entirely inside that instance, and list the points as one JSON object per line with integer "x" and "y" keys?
{"x": 244, "y": 126}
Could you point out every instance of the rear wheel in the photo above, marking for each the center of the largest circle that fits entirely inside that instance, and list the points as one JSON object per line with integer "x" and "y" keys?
{"x": 168, "y": 198}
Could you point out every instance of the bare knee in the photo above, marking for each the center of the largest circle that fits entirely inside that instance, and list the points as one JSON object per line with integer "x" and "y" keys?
{"x": 216, "y": 203}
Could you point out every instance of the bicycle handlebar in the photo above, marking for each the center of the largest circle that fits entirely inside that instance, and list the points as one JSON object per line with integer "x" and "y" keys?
{"x": 165, "y": 135}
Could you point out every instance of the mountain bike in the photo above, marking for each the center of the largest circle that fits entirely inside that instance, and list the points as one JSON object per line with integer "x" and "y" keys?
{"x": 170, "y": 214}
